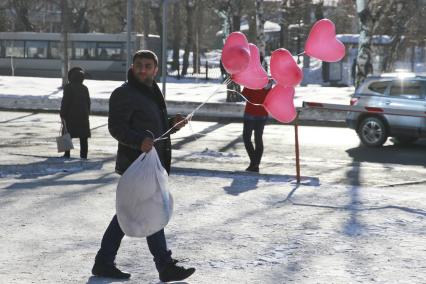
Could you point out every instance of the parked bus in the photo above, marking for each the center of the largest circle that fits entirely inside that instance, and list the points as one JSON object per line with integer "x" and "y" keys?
{"x": 102, "y": 56}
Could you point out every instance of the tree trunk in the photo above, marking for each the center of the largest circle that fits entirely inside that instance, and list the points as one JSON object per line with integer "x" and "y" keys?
{"x": 236, "y": 15}
{"x": 284, "y": 24}
{"x": 65, "y": 43}
{"x": 252, "y": 33}
{"x": 196, "y": 44}
{"x": 156, "y": 12}
{"x": 177, "y": 35}
{"x": 260, "y": 23}
{"x": 146, "y": 16}
{"x": 364, "y": 65}
{"x": 189, "y": 33}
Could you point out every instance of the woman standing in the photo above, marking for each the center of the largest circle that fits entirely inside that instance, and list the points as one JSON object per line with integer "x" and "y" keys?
{"x": 255, "y": 117}
{"x": 75, "y": 109}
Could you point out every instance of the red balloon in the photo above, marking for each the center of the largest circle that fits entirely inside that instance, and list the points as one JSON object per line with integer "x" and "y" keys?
{"x": 235, "y": 53}
{"x": 254, "y": 76}
{"x": 280, "y": 105}
{"x": 284, "y": 68}
{"x": 322, "y": 42}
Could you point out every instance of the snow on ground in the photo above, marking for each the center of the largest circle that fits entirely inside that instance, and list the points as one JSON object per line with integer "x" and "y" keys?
{"x": 177, "y": 90}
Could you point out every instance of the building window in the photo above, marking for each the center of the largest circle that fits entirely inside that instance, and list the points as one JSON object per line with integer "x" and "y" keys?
{"x": 55, "y": 50}
{"x": 110, "y": 51}
{"x": 84, "y": 50}
{"x": 15, "y": 48}
{"x": 36, "y": 49}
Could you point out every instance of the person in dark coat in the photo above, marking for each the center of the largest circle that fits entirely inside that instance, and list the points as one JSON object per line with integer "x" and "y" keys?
{"x": 75, "y": 110}
{"x": 137, "y": 115}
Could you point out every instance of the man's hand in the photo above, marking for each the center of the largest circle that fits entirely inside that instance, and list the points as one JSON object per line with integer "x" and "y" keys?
{"x": 179, "y": 121}
{"x": 147, "y": 145}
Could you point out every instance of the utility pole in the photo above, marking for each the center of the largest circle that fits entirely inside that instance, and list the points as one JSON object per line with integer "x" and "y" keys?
{"x": 164, "y": 48}
{"x": 129, "y": 39}
{"x": 65, "y": 41}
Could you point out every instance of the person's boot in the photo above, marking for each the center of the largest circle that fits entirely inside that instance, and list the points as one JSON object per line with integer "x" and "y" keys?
{"x": 172, "y": 272}
{"x": 108, "y": 270}
{"x": 253, "y": 168}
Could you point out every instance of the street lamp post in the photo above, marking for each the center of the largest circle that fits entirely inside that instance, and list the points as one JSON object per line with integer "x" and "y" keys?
{"x": 129, "y": 31}
{"x": 164, "y": 48}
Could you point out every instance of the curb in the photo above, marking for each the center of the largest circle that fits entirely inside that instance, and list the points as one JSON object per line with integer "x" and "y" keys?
{"x": 219, "y": 112}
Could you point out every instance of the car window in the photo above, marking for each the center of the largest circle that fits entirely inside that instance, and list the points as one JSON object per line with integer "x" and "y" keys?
{"x": 409, "y": 89}
{"x": 379, "y": 87}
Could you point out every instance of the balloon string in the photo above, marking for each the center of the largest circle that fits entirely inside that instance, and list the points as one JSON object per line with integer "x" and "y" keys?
{"x": 189, "y": 116}
{"x": 242, "y": 96}
{"x": 300, "y": 53}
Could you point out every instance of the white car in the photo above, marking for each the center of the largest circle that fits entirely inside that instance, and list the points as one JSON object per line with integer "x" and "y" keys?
{"x": 401, "y": 91}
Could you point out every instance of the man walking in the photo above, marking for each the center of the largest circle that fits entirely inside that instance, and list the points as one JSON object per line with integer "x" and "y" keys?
{"x": 137, "y": 114}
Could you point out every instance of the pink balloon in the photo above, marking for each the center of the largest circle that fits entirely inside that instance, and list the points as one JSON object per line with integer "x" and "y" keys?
{"x": 284, "y": 68}
{"x": 322, "y": 42}
{"x": 254, "y": 76}
{"x": 279, "y": 103}
{"x": 235, "y": 53}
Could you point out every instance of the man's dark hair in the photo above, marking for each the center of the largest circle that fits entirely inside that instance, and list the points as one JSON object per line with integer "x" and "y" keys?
{"x": 146, "y": 54}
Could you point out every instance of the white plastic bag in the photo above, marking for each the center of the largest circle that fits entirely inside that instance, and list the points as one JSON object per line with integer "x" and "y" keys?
{"x": 144, "y": 204}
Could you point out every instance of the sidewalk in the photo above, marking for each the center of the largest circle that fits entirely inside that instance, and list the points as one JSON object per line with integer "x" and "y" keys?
{"x": 33, "y": 93}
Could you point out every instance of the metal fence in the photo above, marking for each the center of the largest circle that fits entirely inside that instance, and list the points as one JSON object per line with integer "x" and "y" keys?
{"x": 208, "y": 71}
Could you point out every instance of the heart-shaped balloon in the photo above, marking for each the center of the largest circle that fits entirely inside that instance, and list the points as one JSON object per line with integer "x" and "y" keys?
{"x": 254, "y": 76}
{"x": 235, "y": 53}
{"x": 279, "y": 103}
{"x": 284, "y": 68}
{"x": 322, "y": 42}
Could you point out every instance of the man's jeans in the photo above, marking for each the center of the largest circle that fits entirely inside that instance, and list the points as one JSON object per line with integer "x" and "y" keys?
{"x": 112, "y": 239}
{"x": 254, "y": 124}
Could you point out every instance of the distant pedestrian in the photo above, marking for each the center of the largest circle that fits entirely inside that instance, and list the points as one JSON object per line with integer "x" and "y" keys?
{"x": 75, "y": 110}
{"x": 255, "y": 118}
{"x": 353, "y": 71}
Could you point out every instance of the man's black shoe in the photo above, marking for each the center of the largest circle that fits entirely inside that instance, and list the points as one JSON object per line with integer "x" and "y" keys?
{"x": 172, "y": 272}
{"x": 108, "y": 270}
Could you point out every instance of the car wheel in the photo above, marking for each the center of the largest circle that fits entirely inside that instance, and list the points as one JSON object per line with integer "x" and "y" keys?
{"x": 372, "y": 132}
{"x": 404, "y": 140}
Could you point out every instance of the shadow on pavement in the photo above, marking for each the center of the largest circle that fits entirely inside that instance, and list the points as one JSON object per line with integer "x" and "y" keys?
{"x": 49, "y": 166}
{"x": 414, "y": 154}
{"x": 244, "y": 181}
{"x": 17, "y": 118}
{"x": 102, "y": 280}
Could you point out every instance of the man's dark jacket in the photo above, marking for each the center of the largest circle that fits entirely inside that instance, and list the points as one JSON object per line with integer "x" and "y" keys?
{"x": 137, "y": 111}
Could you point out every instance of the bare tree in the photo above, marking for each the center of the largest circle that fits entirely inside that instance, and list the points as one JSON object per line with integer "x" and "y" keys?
{"x": 260, "y": 23}
{"x": 21, "y": 9}
{"x": 198, "y": 27}
{"x": 65, "y": 20}
{"x": 405, "y": 19}
{"x": 177, "y": 35}
{"x": 372, "y": 15}
{"x": 190, "y": 6}
{"x": 284, "y": 23}
{"x": 156, "y": 12}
